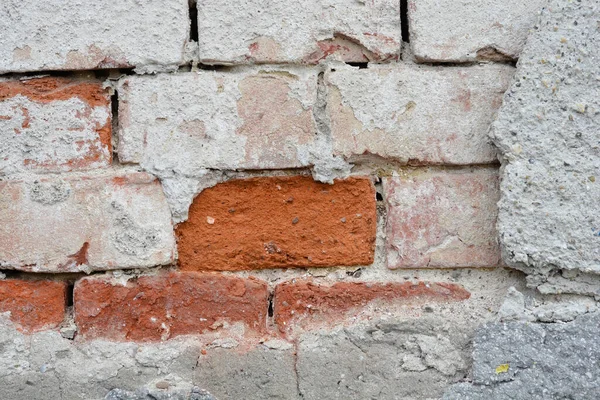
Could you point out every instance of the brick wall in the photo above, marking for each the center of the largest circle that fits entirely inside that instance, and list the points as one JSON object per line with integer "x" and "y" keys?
{"x": 254, "y": 170}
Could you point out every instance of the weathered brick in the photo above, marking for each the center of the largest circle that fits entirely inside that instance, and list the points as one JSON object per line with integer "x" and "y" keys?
{"x": 279, "y": 222}
{"x": 33, "y": 305}
{"x": 74, "y": 223}
{"x": 416, "y": 114}
{"x": 167, "y": 305}
{"x": 442, "y": 219}
{"x": 304, "y": 32}
{"x": 75, "y": 35}
{"x": 191, "y": 121}
{"x": 53, "y": 125}
{"x": 300, "y": 303}
{"x": 451, "y": 31}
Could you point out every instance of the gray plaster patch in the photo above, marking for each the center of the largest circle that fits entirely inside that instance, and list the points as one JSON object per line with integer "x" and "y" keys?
{"x": 385, "y": 360}
{"x": 520, "y": 360}
{"x": 49, "y": 192}
{"x": 548, "y": 131}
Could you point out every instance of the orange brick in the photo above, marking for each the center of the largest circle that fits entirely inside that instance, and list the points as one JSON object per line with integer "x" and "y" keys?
{"x": 54, "y": 124}
{"x": 279, "y": 222}
{"x": 33, "y": 305}
{"x": 167, "y": 305}
{"x": 304, "y": 302}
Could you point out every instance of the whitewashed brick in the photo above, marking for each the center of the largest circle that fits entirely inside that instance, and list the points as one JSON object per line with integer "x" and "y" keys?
{"x": 185, "y": 123}
{"x": 459, "y": 31}
{"x": 74, "y": 223}
{"x": 416, "y": 114}
{"x": 258, "y": 31}
{"x": 74, "y": 35}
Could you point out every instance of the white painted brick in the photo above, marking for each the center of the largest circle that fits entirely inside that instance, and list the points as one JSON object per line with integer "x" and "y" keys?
{"x": 415, "y": 114}
{"x": 74, "y": 35}
{"x": 261, "y": 31}
{"x": 185, "y": 123}
{"x": 464, "y": 30}
{"x": 110, "y": 220}
{"x": 54, "y": 125}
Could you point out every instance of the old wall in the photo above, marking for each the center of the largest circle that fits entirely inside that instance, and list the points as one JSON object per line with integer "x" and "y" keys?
{"x": 290, "y": 200}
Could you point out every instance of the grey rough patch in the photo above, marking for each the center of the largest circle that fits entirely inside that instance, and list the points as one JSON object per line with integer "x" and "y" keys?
{"x": 167, "y": 388}
{"x": 73, "y": 35}
{"x": 548, "y": 131}
{"x": 386, "y": 360}
{"x": 258, "y": 374}
{"x": 49, "y": 192}
{"x": 130, "y": 238}
{"x": 47, "y": 366}
{"x": 544, "y": 361}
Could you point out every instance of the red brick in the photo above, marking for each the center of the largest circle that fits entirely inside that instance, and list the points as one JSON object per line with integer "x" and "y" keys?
{"x": 54, "y": 124}
{"x": 298, "y": 303}
{"x": 33, "y": 305}
{"x": 279, "y": 222}
{"x": 167, "y": 305}
{"x": 442, "y": 219}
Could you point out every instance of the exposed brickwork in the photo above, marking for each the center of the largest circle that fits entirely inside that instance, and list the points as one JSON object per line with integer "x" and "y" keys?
{"x": 167, "y": 305}
{"x": 54, "y": 125}
{"x": 442, "y": 219}
{"x": 33, "y": 305}
{"x": 279, "y": 222}
{"x": 305, "y": 302}
{"x": 69, "y": 223}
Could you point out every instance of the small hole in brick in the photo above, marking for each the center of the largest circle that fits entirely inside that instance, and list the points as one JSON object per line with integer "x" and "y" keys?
{"x": 70, "y": 289}
{"x": 360, "y": 65}
{"x": 193, "y": 21}
{"x": 270, "y": 310}
{"x": 404, "y": 20}
{"x": 379, "y": 196}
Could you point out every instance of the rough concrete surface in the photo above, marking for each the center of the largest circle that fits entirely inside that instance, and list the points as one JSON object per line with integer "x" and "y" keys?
{"x": 257, "y": 31}
{"x": 548, "y": 132}
{"x": 389, "y": 111}
{"x": 465, "y": 30}
{"x": 522, "y": 361}
{"x": 107, "y": 220}
{"x": 75, "y": 35}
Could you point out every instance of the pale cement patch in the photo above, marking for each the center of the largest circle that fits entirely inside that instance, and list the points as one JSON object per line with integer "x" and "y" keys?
{"x": 459, "y": 31}
{"x": 73, "y": 35}
{"x": 287, "y": 32}
{"x": 548, "y": 131}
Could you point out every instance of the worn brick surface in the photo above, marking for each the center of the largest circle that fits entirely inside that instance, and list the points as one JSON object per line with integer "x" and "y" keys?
{"x": 442, "y": 219}
{"x": 301, "y": 303}
{"x": 167, "y": 305}
{"x": 33, "y": 305}
{"x": 53, "y": 125}
{"x": 190, "y": 121}
{"x": 255, "y": 31}
{"x": 74, "y": 35}
{"x": 457, "y": 31}
{"x": 73, "y": 223}
{"x": 279, "y": 222}
{"x": 416, "y": 114}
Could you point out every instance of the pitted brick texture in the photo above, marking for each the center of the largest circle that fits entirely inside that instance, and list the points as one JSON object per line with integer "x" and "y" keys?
{"x": 415, "y": 114}
{"x": 460, "y": 31}
{"x": 33, "y": 305}
{"x": 74, "y": 35}
{"x": 54, "y": 125}
{"x": 167, "y": 305}
{"x": 255, "y": 31}
{"x": 442, "y": 219}
{"x": 70, "y": 223}
{"x": 254, "y": 119}
{"x": 279, "y": 222}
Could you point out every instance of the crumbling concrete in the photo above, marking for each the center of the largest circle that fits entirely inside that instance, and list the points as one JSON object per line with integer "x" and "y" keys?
{"x": 520, "y": 360}
{"x": 548, "y": 131}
